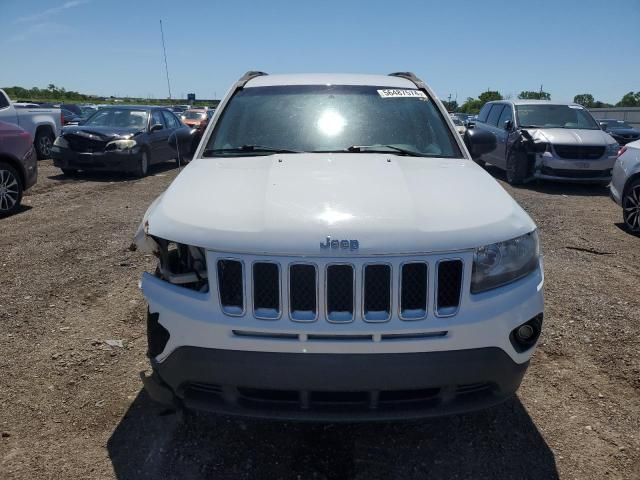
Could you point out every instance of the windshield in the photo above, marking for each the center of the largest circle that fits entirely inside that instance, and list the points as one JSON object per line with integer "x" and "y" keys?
{"x": 328, "y": 118}
{"x": 112, "y": 117}
{"x": 194, "y": 115}
{"x": 555, "y": 116}
{"x": 614, "y": 124}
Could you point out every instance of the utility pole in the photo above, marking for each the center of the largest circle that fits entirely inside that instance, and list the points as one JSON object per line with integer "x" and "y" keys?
{"x": 166, "y": 67}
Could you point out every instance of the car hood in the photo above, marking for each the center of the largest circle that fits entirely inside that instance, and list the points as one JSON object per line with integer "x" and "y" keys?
{"x": 568, "y": 136}
{"x": 100, "y": 133}
{"x": 289, "y": 204}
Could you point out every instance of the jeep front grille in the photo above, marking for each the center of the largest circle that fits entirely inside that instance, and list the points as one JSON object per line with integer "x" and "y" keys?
{"x": 340, "y": 293}
{"x": 377, "y": 293}
{"x": 368, "y": 290}
{"x": 449, "y": 283}
{"x": 231, "y": 286}
{"x": 303, "y": 292}
{"x": 266, "y": 290}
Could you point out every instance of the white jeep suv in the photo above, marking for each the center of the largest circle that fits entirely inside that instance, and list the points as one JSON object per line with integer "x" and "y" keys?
{"x": 333, "y": 252}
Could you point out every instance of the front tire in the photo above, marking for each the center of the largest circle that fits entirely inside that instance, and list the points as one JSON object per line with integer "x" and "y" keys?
{"x": 43, "y": 143}
{"x": 631, "y": 207}
{"x": 516, "y": 171}
{"x": 11, "y": 190}
{"x": 143, "y": 165}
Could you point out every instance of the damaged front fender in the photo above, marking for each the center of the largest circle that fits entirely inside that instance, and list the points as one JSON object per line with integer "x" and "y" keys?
{"x": 142, "y": 240}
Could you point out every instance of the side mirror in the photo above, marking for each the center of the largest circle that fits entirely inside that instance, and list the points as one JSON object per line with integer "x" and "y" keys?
{"x": 184, "y": 142}
{"x": 479, "y": 142}
{"x": 508, "y": 125}
{"x": 155, "y": 127}
{"x": 603, "y": 126}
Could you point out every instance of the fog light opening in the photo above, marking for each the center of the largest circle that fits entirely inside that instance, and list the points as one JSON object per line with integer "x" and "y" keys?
{"x": 524, "y": 333}
{"x": 525, "y": 336}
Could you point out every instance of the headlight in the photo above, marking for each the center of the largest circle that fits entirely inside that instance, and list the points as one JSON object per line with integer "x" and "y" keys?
{"x": 501, "y": 263}
{"x": 183, "y": 265}
{"x": 612, "y": 149}
{"x": 61, "y": 142}
{"x": 121, "y": 145}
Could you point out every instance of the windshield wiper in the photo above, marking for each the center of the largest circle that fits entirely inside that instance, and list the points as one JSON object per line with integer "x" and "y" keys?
{"x": 248, "y": 149}
{"x": 375, "y": 149}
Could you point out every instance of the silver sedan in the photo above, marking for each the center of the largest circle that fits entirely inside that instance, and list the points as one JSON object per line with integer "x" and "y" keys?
{"x": 625, "y": 184}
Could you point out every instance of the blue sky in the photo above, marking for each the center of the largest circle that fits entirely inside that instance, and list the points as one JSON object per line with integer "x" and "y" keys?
{"x": 459, "y": 47}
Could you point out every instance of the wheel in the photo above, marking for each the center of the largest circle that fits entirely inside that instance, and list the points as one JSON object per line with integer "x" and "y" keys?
{"x": 631, "y": 207}
{"x": 516, "y": 167}
{"x": 143, "y": 165}
{"x": 43, "y": 143}
{"x": 10, "y": 189}
{"x": 69, "y": 172}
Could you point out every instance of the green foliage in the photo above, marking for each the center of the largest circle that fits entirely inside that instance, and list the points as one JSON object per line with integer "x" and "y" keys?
{"x": 54, "y": 94}
{"x": 529, "y": 95}
{"x": 631, "y": 99}
{"x": 584, "y": 99}
{"x": 489, "y": 96}
{"x": 451, "y": 106}
{"x": 473, "y": 105}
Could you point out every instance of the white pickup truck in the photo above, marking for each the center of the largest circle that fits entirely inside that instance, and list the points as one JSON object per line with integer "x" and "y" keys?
{"x": 43, "y": 124}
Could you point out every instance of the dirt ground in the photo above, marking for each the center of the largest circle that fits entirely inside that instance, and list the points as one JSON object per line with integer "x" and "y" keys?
{"x": 71, "y": 404}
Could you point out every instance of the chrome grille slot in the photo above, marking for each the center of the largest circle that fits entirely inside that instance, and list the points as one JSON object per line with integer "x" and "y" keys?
{"x": 413, "y": 291}
{"x": 303, "y": 296}
{"x": 340, "y": 293}
{"x": 377, "y": 293}
{"x": 449, "y": 287}
{"x": 266, "y": 290}
{"x": 231, "y": 286}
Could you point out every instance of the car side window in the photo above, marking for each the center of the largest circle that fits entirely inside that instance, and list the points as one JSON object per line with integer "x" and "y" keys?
{"x": 507, "y": 114}
{"x": 4, "y": 103}
{"x": 170, "y": 120}
{"x": 156, "y": 117}
{"x": 494, "y": 115}
{"x": 484, "y": 112}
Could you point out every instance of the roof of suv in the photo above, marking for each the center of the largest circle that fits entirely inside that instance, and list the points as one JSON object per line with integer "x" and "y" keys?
{"x": 331, "y": 79}
{"x": 534, "y": 102}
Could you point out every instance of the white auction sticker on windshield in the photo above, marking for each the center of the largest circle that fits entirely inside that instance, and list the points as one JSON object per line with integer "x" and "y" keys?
{"x": 577, "y": 107}
{"x": 401, "y": 93}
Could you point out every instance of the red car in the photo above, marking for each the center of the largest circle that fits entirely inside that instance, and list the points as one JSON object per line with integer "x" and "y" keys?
{"x": 18, "y": 166}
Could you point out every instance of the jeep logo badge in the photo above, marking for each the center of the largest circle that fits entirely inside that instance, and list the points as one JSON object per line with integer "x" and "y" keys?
{"x": 340, "y": 244}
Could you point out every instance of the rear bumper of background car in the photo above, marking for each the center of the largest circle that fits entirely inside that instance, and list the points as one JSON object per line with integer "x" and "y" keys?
{"x": 115, "y": 161}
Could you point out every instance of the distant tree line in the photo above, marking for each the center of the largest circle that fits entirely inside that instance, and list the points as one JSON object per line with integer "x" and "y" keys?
{"x": 473, "y": 105}
{"x": 55, "y": 94}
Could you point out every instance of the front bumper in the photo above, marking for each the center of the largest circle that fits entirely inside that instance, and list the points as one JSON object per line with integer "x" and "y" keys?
{"x": 207, "y": 359}
{"x": 330, "y": 387}
{"x": 551, "y": 167}
{"x": 114, "y": 161}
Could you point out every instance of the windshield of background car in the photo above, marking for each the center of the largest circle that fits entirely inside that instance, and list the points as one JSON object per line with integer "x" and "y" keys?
{"x": 195, "y": 115}
{"x": 328, "y": 118}
{"x": 112, "y": 117}
{"x": 555, "y": 116}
